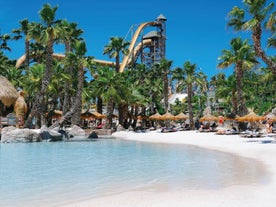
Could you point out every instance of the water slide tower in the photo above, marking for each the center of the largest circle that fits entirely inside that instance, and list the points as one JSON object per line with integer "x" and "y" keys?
{"x": 152, "y": 53}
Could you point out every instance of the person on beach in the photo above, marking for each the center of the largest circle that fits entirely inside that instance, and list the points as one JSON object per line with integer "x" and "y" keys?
{"x": 269, "y": 126}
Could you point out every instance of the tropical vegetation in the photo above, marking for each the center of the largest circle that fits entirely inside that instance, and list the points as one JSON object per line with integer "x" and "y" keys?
{"x": 75, "y": 81}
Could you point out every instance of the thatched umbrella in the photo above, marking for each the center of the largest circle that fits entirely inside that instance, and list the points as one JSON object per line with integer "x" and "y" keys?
{"x": 155, "y": 116}
{"x": 141, "y": 117}
{"x": 8, "y": 93}
{"x": 181, "y": 116}
{"x": 98, "y": 115}
{"x": 87, "y": 115}
{"x": 167, "y": 116}
{"x": 251, "y": 117}
{"x": 57, "y": 114}
{"x": 208, "y": 117}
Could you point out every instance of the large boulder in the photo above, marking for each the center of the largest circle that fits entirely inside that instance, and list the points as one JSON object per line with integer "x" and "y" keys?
{"x": 11, "y": 134}
{"x": 50, "y": 135}
{"x": 76, "y": 132}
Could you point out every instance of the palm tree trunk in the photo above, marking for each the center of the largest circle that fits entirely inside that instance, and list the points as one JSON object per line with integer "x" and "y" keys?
{"x": 27, "y": 52}
{"x": 256, "y": 37}
{"x": 76, "y": 107}
{"x": 234, "y": 103}
{"x": 68, "y": 70}
{"x": 117, "y": 63}
{"x": 99, "y": 105}
{"x": 190, "y": 107}
{"x": 76, "y": 119}
{"x": 242, "y": 110}
{"x": 123, "y": 113}
{"x": 37, "y": 107}
{"x": 109, "y": 111}
{"x": 166, "y": 91}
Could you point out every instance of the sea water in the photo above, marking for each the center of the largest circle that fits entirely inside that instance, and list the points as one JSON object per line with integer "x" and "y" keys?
{"x": 55, "y": 173}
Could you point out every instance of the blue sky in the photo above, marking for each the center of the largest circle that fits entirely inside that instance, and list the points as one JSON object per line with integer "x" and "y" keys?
{"x": 196, "y": 30}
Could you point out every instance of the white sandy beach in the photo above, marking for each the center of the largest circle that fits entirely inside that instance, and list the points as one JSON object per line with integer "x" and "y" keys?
{"x": 251, "y": 195}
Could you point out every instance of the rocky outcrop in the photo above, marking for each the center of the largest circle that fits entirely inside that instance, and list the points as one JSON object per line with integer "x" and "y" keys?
{"x": 11, "y": 134}
{"x": 75, "y": 133}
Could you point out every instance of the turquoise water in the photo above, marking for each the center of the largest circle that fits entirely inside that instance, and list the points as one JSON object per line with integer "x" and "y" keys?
{"x": 51, "y": 174}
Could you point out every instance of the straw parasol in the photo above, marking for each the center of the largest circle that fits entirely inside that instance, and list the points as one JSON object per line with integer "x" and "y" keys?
{"x": 181, "y": 116}
{"x": 208, "y": 117}
{"x": 155, "y": 116}
{"x": 251, "y": 117}
{"x": 92, "y": 115}
{"x": 98, "y": 115}
{"x": 167, "y": 116}
{"x": 57, "y": 114}
{"x": 8, "y": 93}
{"x": 141, "y": 117}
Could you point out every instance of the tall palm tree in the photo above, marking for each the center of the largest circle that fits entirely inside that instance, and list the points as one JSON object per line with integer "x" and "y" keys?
{"x": 162, "y": 70}
{"x": 45, "y": 33}
{"x": 116, "y": 46}
{"x": 242, "y": 56}
{"x": 259, "y": 12}
{"x": 190, "y": 78}
{"x": 165, "y": 66}
{"x": 69, "y": 34}
{"x": 78, "y": 61}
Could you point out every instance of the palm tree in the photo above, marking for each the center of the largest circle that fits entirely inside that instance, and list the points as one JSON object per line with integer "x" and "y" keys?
{"x": 70, "y": 34}
{"x": 259, "y": 12}
{"x": 3, "y": 42}
{"x": 190, "y": 77}
{"x": 111, "y": 87}
{"x": 116, "y": 46}
{"x": 178, "y": 75}
{"x": 78, "y": 61}
{"x": 5, "y": 63}
{"x": 45, "y": 33}
{"x": 242, "y": 56}
{"x": 226, "y": 90}
{"x": 24, "y": 28}
{"x": 165, "y": 66}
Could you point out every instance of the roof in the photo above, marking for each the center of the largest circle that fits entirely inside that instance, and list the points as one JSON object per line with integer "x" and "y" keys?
{"x": 151, "y": 34}
{"x": 161, "y": 17}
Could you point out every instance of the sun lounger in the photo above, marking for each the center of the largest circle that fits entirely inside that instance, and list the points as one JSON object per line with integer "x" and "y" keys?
{"x": 251, "y": 134}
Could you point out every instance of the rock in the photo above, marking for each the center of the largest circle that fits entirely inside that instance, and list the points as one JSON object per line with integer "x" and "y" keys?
{"x": 130, "y": 129}
{"x": 63, "y": 133}
{"x": 93, "y": 135}
{"x": 11, "y": 134}
{"x": 120, "y": 128}
{"x": 51, "y": 135}
{"x": 76, "y": 132}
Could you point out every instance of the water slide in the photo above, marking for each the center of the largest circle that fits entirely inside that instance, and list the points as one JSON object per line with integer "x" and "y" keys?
{"x": 126, "y": 60}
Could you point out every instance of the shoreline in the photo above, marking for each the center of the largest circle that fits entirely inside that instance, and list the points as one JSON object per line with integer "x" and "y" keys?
{"x": 237, "y": 195}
